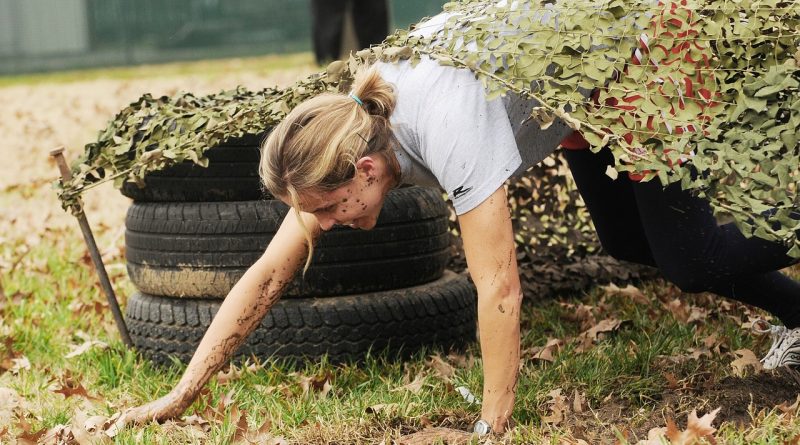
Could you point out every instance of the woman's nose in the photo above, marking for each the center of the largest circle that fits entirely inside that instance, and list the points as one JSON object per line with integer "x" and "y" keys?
{"x": 326, "y": 222}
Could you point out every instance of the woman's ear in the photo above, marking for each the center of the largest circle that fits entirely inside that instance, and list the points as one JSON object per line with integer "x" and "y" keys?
{"x": 367, "y": 165}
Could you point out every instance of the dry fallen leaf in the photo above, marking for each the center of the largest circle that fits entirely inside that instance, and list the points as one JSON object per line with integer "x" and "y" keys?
{"x": 672, "y": 382}
{"x": 95, "y": 307}
{"x": 382, "y": 408}
{"x": 786, "y": 408}
{"x": 10, "y": 402}
{"x": 607, "y": 325}
{"x": 714, "y": 343}
{"x": 68, "y": 390}
{"x": 697, "y": 314}
{"x": 580, "y": 313}
{"x": 684, "y": 312}
{"x": 59, "y": 434}
{"x": 320, "y": 385}
{"x": 192, "y": 433}
{"x": 656, "y": 436}
{"x": 31, "y": 438}
{"x": 461, "y": 360}
{"x": 578, "y": 401}
{"x": 415, "y": 386}
{"x": 260, "y": 436}
{"x": 696, "y": 429}
{"x": 547, "y": 351}
{"x": 8, "y": 357}
{"x": 18, "y": 364}
{"x": 88, "y": 430}
{"x": 83, "y": 348}
{"x": 442, "y": 368}
{"x": 629, "y": 291}
{"x": 558, "y": 407}
{"x": 745, "y": 358}
{"x": 240, "y": 419}
{"x": 235, "y": 372}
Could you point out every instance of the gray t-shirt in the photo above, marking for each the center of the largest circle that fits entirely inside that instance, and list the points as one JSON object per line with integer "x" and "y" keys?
{"x": 451, "y": 136}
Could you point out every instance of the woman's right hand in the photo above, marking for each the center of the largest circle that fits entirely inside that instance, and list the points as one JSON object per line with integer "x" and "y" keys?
{"x": 240, "y": 312}
{"x": 167, "y": 407}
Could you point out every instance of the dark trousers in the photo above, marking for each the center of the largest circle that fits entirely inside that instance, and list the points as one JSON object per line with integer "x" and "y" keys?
{"x": 370, "y": 20}
{"x": 670, "y": 229}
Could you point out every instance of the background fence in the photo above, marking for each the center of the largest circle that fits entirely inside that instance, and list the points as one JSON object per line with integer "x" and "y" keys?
{"x": 43, "y": 35}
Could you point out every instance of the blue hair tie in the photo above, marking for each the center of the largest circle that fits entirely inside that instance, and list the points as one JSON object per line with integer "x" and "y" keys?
{"x": 353, "y": 96}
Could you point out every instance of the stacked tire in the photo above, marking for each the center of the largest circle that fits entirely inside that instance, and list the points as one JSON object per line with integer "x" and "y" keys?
{"x": 192, "y": 232}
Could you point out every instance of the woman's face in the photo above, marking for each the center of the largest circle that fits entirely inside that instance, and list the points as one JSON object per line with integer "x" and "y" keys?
{"x": 356, "y": 204}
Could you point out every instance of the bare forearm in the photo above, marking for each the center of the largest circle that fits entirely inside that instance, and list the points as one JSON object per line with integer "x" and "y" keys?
{"x": 240, "y": 313}
{"x": 498, "y": 322}
{"x": 238, "y": 316}
{"x": 491, "y": 257}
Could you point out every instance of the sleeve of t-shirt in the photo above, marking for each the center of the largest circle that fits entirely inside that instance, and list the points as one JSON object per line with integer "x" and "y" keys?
{"x": 466, "y": 140}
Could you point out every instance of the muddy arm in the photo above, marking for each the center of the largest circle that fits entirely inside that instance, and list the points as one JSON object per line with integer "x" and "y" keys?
{"x": 491, "y": 258}
{"x": 238, "y": 316}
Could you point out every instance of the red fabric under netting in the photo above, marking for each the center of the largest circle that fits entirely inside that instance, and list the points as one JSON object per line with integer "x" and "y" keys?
{"x": 668, "y": 40}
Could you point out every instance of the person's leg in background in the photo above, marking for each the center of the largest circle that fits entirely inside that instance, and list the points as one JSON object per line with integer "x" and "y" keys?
{"x": 327, "y": 18}
{"x": 612, "y": 206}
{"x": 690, "y": 248}
{"x": 371, "y": 21}
{"x": 698, "y": 255}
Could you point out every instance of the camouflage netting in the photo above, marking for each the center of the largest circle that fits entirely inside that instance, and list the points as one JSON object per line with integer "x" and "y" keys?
{"x": 712, "y": 82}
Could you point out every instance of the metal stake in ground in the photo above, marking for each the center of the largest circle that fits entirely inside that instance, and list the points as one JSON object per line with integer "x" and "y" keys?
{"x": 105, "y": 283}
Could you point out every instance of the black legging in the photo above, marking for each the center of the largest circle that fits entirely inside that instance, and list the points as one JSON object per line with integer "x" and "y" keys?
{"x": 669, "y": 228}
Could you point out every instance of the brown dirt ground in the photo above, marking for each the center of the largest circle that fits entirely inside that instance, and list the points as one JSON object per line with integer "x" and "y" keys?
{"x": 739, "y": 400}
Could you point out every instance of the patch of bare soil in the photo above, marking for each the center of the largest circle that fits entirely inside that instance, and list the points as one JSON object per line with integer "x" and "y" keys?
{"x": 738, "y": 399}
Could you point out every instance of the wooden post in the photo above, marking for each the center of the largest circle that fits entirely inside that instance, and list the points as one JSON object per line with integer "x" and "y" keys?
{"x": 94, "y": 252}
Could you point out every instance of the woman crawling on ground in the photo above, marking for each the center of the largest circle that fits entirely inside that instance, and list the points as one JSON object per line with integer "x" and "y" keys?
{"x": 335, "y": 157}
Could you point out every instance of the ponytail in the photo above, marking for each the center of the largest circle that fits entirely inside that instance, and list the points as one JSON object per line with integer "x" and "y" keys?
{"x": 316, "y": 147}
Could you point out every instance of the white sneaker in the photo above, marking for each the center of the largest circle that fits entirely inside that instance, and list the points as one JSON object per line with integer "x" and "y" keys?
{"x": 785, "y": 350}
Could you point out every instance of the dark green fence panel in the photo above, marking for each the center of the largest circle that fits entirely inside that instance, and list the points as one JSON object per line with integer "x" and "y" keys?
{"x": 127, "y": 32}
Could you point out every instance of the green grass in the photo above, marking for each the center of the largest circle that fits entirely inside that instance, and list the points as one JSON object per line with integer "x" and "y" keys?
{"x": 39, "y": 315}
{"x": 48, "y": 296}
{"x": 254, "y": 65}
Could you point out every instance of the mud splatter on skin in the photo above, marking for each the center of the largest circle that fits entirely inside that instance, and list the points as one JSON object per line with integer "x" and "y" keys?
{"x": 500, "y": 266}
{"x": 210, "y": 365}
{"x": 516, "y": 378}
{"x": 214, "y": 361}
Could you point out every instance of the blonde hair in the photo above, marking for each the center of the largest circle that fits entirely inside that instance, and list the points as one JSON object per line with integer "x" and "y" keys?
{"x": 316, "y": 147}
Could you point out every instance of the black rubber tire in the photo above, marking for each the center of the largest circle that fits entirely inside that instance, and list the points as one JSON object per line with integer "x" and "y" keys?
{"x": 231, "y": 175}
{"x": 200, "y": 250}
{"x": 400, "y": 322}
